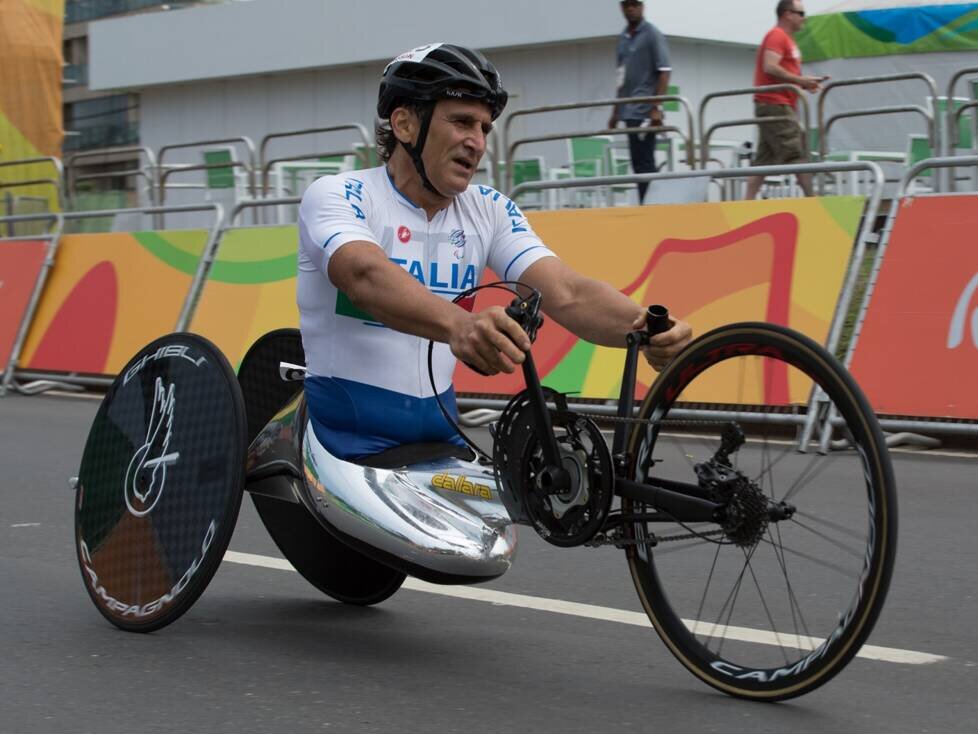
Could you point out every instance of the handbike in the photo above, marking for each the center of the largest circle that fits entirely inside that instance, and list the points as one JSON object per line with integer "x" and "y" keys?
{"x": 763, "y": 568}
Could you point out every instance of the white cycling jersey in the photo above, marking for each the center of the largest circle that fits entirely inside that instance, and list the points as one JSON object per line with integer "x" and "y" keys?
{"x": 367, "y": 386}
{"x": 447, "y": 255}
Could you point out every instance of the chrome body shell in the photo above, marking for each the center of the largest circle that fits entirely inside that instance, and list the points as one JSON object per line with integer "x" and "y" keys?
{"x": 441, "y": 520}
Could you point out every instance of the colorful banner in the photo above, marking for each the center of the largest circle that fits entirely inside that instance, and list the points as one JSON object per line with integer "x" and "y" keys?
{"x": 889, "y": 31}
{"x": 30, "y": 90}
{"x": 917, "y": 353}
{"x": 250, "y": 289}
{"x": 108, "y": 295}
{"x": 781, "y": 261}
{"x": 20, "y": 265}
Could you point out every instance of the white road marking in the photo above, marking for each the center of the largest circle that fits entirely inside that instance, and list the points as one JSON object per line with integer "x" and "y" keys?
{"x": 608, "y": 614}
{"x": 26, "y": 525}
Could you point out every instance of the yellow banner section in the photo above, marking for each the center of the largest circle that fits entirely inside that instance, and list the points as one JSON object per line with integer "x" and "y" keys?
{"x": 30, "y": 92}
{"x": 780, "y": 261}
{"x": 712, "y": 264}
{"x": 250, "y": 289}
{"x": 108, "y": 295}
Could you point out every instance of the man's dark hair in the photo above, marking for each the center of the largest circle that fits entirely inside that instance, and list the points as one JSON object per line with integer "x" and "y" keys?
{"x": 386, "y": 140}
{"x": 784, "y": 6}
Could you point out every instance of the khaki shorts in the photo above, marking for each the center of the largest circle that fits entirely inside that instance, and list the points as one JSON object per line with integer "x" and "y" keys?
{"x": 781, "y": 141}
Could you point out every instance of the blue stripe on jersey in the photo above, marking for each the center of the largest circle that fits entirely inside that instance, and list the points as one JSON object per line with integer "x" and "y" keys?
{"x": 353, "y": 420}
{"x": 332, "y": 237}
{"x": 506, "y": 272}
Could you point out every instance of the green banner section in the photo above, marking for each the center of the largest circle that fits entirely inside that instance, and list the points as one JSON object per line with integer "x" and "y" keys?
{"x": 911, "y": 30}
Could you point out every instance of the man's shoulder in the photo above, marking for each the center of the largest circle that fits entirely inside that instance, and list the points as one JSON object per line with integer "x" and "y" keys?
{"x": 776, "y": 37}
{"x": 360, "y": 180}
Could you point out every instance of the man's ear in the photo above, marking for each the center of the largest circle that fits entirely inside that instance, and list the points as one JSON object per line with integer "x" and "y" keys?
{"x": 404, "y": 124}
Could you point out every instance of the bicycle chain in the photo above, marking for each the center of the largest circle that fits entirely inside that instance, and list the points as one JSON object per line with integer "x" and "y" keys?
{"x": 620, "y": 542}
{"x": 645, "y": 421}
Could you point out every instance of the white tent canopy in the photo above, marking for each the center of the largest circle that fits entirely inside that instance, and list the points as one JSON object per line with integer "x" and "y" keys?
{"x": 888, "y": 132}
{"x": 851, "y": 6}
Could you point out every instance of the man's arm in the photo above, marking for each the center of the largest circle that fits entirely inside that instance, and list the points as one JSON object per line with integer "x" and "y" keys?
{"x": 490, "y": 340}
{"x": 663, "y": 67}
{"x": 661, "y": 89}
{"x": 772, "y": 66}
{"x": 597, "y": 312}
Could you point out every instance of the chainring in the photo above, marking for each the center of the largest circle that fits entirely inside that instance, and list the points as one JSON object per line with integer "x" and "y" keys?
{"x": 569, "y": 518}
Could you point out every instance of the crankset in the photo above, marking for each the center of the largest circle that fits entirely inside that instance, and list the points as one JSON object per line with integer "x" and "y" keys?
{"x": 573, "y": 512}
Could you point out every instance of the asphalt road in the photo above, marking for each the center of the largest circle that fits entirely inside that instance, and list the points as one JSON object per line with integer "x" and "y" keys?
{"x": 262, "y": 650}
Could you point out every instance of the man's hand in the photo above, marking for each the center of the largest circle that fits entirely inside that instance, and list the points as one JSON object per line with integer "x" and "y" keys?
{"x": 490, "y": 341}
{"x": 663, "y": 347}
{"x": 655, "y": 117}
{"x": 812, "y": 83}
{"x": 613, "y": 120}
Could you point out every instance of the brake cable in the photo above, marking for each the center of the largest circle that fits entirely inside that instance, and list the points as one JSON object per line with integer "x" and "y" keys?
{"x": 503, "y": 285}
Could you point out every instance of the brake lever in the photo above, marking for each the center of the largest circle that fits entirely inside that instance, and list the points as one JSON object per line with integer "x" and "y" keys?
{"x": 526, "y": 313}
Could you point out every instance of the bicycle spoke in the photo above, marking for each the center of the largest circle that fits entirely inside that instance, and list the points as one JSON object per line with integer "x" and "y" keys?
{"x": 735, "y": 593}
{"x": 855, "y": 553}
{"x": 806, "y": 477}
{"x": 709, "y": 579}
{"x": 767, "y": 611}
{"x": 818, "y": 561}
{"x": 796, "y": 613}
{"x": 835, "y": 526}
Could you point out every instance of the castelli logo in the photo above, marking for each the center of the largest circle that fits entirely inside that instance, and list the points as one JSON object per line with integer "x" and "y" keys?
{"x": 403, "y": 233}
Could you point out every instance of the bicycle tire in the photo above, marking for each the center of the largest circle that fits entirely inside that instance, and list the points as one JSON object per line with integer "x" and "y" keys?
{"x": 773, "y": 364}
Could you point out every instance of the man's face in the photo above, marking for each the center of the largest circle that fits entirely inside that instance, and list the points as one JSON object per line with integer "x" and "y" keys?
{"x": 632, "y": 10}
{"x": 796, "y": 16}
{"x": 456, "y": 143}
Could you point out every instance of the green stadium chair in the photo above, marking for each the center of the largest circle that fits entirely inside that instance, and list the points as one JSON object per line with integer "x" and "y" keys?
{"x": 222, "y": 177}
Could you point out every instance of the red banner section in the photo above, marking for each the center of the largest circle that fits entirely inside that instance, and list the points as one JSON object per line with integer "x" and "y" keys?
{"x": 20, "y": 265}
{"x": 917, "y": 354}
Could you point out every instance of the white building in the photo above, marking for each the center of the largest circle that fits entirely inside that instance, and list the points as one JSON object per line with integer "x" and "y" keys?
{"x": 261, "y": 66}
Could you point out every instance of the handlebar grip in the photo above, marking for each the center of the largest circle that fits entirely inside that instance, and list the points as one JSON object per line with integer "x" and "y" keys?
{"x": 657, "y": 320}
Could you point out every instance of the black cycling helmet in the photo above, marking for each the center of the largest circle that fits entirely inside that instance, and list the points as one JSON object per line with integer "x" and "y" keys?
{"x": 440, "y": 71}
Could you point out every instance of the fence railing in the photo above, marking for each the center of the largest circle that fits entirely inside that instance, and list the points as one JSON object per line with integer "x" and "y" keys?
{"x": 509, "y": 148}
{"x": 695, "y": 131}
{"x": 706, "y": 133}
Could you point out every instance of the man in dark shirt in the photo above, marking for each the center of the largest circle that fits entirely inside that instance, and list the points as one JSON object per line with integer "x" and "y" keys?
{"x": 643, "y": 71}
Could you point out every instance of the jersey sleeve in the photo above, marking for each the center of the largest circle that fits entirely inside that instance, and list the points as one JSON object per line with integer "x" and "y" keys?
{"x": 333, "y": 212}
{"x": 514, "y": 245}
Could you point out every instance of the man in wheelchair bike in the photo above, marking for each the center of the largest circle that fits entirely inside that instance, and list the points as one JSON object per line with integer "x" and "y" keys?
{"x": 384, "y": 251}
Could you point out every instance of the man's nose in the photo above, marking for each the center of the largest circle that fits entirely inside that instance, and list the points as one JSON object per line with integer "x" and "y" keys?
{"x": 477, "y": 141}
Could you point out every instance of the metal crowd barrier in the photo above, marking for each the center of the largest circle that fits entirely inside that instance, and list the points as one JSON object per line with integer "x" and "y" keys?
{"x": 509, "y": 148}
{"x": 903, "y": 424}
{"x": 148, "y": 172}
{"x": 166, "y": 171}
{"x": 825, "y": 125}
{"x": 707, "y": 133}
{"x": 51, "y": 238}
{"x": 265, "y": 165}
{"x": 57, "y": 182}
{"x": 952, "y": 118}
{"x": 811, "y": 417}
{"x": 186, "y": 310}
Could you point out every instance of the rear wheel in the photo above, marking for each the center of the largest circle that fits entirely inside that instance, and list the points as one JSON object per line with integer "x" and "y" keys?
{"x": 776, "y": 597}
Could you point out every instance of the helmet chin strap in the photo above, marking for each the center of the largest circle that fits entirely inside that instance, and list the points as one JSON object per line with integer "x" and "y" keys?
{"x": 415, "y": 152}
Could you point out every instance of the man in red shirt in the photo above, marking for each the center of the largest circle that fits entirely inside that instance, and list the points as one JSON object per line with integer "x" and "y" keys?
{"x": 779, "y": 62}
